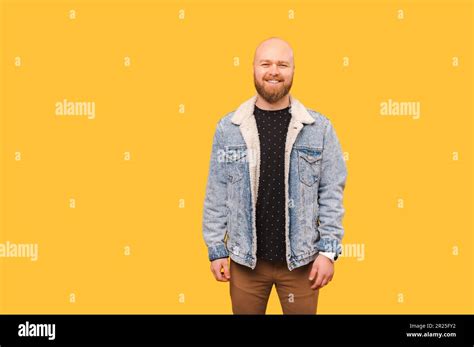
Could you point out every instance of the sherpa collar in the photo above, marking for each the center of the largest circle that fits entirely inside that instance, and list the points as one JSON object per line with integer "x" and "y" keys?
{"x": 297, "y": 110}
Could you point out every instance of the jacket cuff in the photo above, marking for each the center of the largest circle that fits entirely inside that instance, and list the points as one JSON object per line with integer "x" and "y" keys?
{"x": 328, "y": 245}
{"x": 330, "y": 255}
{"x": 216, "y": 252}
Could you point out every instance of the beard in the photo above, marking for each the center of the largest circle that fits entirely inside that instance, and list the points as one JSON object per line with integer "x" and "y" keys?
{"x": 270, "y": 93}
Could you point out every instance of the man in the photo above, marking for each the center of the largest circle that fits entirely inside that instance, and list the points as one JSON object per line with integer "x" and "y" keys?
{"x": 274, "y": 194}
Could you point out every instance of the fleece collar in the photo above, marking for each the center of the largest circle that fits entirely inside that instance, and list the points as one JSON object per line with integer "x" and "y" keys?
{"x": 297, "y": 110}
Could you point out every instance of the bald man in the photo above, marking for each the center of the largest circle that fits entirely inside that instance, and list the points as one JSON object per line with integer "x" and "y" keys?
{"x": 274, "y": 194}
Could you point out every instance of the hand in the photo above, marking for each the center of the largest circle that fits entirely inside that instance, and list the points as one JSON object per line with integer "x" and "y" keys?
{"x": 217, "y": 265}
{"x": 322, "y": 271}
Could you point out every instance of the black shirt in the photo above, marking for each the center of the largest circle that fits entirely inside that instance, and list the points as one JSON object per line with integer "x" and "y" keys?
{"x": 270, "y": 211}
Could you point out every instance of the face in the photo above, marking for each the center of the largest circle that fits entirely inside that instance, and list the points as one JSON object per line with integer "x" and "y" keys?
{"x": 273, "y": 70}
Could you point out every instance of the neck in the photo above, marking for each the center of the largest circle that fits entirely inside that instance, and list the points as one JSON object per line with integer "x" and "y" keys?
{"x": 280, "y": 104}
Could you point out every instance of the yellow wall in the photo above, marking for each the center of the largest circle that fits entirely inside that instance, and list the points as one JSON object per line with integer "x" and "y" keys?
{"x": 415, "y": 254}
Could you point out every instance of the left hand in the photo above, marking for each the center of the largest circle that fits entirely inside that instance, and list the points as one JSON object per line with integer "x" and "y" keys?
{"x": 322, "y": 271}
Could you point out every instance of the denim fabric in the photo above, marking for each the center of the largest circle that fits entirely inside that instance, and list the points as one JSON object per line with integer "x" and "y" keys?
{"x": 315, "y": 177}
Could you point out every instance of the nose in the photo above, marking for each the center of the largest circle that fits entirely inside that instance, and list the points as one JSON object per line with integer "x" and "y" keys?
{"x": 273, "y": 72}
{"x": 273, "y": 69}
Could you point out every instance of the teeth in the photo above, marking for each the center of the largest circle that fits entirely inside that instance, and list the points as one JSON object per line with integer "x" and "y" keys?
{"x": 273, "y": 81}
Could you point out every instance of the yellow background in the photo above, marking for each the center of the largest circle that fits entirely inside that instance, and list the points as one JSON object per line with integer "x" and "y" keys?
{"x": 408, "y": 251}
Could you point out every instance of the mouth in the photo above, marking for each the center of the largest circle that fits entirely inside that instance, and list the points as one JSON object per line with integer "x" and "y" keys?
{"x": 273, "y": 81}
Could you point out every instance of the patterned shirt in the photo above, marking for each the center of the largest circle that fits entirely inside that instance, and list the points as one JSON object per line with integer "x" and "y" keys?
{"x": 272, "y": 128}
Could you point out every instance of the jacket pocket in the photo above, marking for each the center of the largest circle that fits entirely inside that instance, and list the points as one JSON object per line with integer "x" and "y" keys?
{"x": 235, "y": 159}
{"x": 309, "y": 164}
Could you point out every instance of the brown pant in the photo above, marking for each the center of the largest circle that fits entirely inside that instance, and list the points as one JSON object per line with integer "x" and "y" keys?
{"x": 250, "y": 289}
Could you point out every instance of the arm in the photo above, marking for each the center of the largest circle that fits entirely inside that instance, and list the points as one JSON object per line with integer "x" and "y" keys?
{"x": 331, "y": 188}
{"x": 215, "y": 209}
{"x": 331, "y": 211}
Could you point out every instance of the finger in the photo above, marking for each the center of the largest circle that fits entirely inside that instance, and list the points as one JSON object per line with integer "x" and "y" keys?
{"x": 226, "y": 270}
{"x": 217, "y": 273}
{"x": 213, "y": 273}
{"x": 317, "y": 283}
{"x": 222, "y": 273}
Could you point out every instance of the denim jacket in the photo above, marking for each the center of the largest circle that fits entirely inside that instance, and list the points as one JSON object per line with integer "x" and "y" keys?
{"x": 315, "y": 177}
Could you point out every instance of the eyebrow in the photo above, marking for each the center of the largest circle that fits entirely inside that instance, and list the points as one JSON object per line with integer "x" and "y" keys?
{"x": 278, "y": 61}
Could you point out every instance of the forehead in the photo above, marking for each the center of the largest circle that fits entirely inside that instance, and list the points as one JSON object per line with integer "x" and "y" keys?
{"x": 274, "y": 52}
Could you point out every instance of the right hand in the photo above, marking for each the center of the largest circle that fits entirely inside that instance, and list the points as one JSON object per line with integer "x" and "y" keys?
{"x": 216, "y": 267}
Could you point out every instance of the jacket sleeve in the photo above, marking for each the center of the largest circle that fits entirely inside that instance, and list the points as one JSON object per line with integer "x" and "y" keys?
{"x": 215, "y": 203}
{"x": 330, "y": 195}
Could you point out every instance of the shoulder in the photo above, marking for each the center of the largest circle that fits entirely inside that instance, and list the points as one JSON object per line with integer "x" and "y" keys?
{"x": 225, "y": 121}
{"x": 321, "y": 121}
{"x": 318, "y": 117}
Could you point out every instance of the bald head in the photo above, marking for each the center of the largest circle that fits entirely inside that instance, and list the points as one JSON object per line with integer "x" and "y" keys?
{"x": 274, "y": 48}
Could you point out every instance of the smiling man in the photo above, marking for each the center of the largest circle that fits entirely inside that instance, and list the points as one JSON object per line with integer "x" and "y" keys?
{"x": 274, "y": 194}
